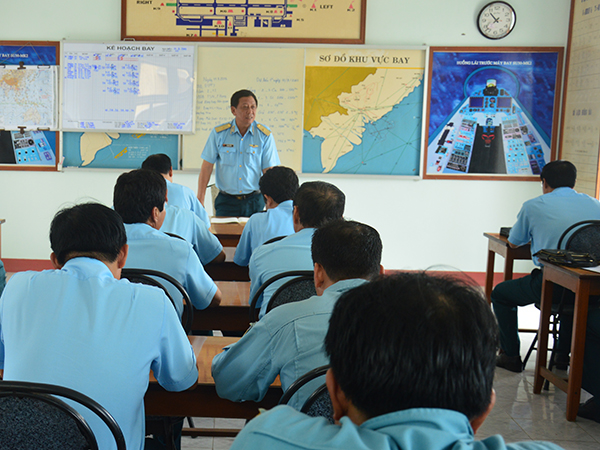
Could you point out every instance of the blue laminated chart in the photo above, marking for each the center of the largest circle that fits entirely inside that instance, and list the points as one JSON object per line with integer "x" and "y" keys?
{"x": 128, "y": 87}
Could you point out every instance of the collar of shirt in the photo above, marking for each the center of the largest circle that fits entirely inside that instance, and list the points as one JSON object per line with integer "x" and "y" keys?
{"x": 344, "y": 285}
{"x": 433, "y": 426}
{"x": 85, "y": 267}
{"x": 235, "y": 128}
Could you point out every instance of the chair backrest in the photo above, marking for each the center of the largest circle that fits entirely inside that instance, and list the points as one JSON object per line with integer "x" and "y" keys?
{"x": 143, "y": 276}
{"x": 294, "y": 290}
{"x": 292, "y": 273}
{"x": 318, "y": 403}
{"x": 582, "y": 237}
{"x": 31, "y": 417}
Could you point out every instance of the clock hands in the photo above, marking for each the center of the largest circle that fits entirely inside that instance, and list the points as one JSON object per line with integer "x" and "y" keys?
{"x": 495, "y": 20}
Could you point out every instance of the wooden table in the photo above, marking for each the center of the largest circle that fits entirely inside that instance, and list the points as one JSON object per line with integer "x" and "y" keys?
{"x": 584, "y": 283}
{"x": 228, "y": 233}
{"x": 233, "y": 312}
{"x": 202, "y": 400}
{"x": 499, "y": 244}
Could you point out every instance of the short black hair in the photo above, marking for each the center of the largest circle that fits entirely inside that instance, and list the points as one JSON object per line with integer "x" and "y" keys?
{"x": 160, "y": 163}
{"x": 347, "y": 249}
{"x": 280, "y": 183}
{"x": 414, "y": 340}
{"x": 235, "y": 98}
{"x": 559, "y": 174}
{"x": 319, "y": 202}
{"x": 87, "y": 229}
{"x": 137, "y": 193}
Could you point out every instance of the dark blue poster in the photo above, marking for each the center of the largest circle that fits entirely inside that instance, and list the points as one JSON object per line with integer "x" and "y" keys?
{"x": 491, "y": 112}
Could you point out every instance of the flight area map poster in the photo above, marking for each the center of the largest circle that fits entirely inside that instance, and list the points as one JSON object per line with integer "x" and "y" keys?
{"x": 492, "y": 113}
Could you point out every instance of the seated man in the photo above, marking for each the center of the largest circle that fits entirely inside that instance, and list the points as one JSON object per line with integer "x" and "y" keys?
{"x": 289, "y": 340}
{"x": 179, "y": 195}
{"x": 278, "y": 186}
{"x": 591, "y": 367}
{"x": 412, "y": 365}
{"x": 185, "y": 224}
{"x": 81, "y": 327}
{"x": 140, "y": 197}
{"x": 541, "y": 221}
{"x": 2, "y": 277}
{"x": 315, "y": 204}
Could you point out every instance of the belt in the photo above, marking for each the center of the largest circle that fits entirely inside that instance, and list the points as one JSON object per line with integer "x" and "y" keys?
{"x": 241, "y": 196}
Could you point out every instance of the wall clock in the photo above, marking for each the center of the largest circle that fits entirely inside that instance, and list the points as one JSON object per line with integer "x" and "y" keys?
{"x": 496, "y": 20}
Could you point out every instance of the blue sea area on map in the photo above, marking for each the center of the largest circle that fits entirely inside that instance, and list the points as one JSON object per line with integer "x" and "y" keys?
{"x": 390, "y": 145}
{"x": 128, "y": 151}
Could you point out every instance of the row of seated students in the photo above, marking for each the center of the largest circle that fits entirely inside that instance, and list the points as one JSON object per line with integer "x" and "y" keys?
{"x": 412, "y": 356}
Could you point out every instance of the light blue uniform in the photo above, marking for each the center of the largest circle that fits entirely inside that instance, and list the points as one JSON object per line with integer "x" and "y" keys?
{"x": 287, "y": 342}
{"x": 543, "y": 219}
{"x": 2, "y": 277}
{"x": 284, "y": 428}
{"x": 290, "y": 253}
{"x": 81, "y": 328}
{"x": 183, "y": 197}
{"x": 153, "y": 249}
{"x": 187, "y": 225}
{"x": 263, "y": 226}
{"x": 240, "y": 160}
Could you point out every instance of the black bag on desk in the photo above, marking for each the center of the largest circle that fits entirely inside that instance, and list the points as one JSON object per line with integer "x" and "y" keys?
{"x": 567, "y": 258}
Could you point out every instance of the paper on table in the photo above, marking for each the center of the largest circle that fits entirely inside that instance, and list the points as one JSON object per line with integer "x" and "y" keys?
{"x": 229, "y": 219}
{"x": 592, "y": 269}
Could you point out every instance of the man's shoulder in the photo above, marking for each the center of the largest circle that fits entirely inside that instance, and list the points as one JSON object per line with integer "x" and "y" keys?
{"x": 222, "y": 127}
{"x": 263, "y": 129}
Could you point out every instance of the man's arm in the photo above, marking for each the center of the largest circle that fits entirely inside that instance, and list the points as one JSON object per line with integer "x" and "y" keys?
{"x": 203, "y": 179}
{"x": 200, "y": 287}
{"x": 175, "y": 367}
{"x": 245, "y": 370}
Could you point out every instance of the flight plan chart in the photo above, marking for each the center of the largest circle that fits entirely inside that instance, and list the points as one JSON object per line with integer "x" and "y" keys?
{"x": 128, "y": 87}
{"x": 304, "y": 20}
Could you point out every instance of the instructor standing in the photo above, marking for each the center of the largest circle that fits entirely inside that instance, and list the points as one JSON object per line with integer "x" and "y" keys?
{"x": 243, "y": 150}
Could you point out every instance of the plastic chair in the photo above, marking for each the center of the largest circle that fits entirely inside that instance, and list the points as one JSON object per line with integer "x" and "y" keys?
{"x": 582, "y": 237}
{"x": 302, "y": 274}
{"x": 318, "y": 403}
{"x": 143, "y": 276}
{"x": 31, "y": 417}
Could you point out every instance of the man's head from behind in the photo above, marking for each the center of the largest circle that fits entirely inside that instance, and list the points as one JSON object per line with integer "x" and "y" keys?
{"x": 317, "y": 203}
{"x": 138, "y": 193}
{"x": 89, "y": 229}
{"x": 413, "y": 340}
{"x": 160, "y": 163}
{"x": 280, "y": 183}
{"x": 559, "y": 174}
{"x": 347, "y": 249}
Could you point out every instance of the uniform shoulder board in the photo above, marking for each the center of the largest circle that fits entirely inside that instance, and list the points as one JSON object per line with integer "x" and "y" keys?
{"x": 264, "y": 129}
{"x": 223, "y": 127}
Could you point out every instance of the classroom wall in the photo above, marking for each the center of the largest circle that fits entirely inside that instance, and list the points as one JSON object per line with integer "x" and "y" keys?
{"x": 422, "y": 223}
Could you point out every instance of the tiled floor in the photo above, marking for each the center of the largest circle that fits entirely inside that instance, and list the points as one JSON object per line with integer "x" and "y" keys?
{"x": 519, "y": 414}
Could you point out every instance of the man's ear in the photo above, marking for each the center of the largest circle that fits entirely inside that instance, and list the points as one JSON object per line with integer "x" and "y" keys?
{"x": 54, "y": 260}
{"x": 476, "y": 422}
{"x": 338, "y": 398}
{"x": 171, "y": 172}
{"x": 319, "y": 277}
{"x": 296, "y": 217}
{"x": 381, "y": 270}
{"x": 122, "y": 258}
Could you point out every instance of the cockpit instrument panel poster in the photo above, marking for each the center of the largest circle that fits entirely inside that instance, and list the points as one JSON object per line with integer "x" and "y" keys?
{"x": 492, "y": 113}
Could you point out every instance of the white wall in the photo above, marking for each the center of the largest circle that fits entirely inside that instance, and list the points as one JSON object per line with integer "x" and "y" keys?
{"x": 422, "y": 223}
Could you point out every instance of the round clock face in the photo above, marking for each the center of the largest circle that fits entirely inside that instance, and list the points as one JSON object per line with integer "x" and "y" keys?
{"x": 496, "y": 20}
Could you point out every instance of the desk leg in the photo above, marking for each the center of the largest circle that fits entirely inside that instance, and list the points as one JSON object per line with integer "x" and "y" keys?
{"x": 577, "y": 348}
{"x": 542, "y": 347}
{"x": 489, "y": 275}
{"x": 508, "y": 268}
